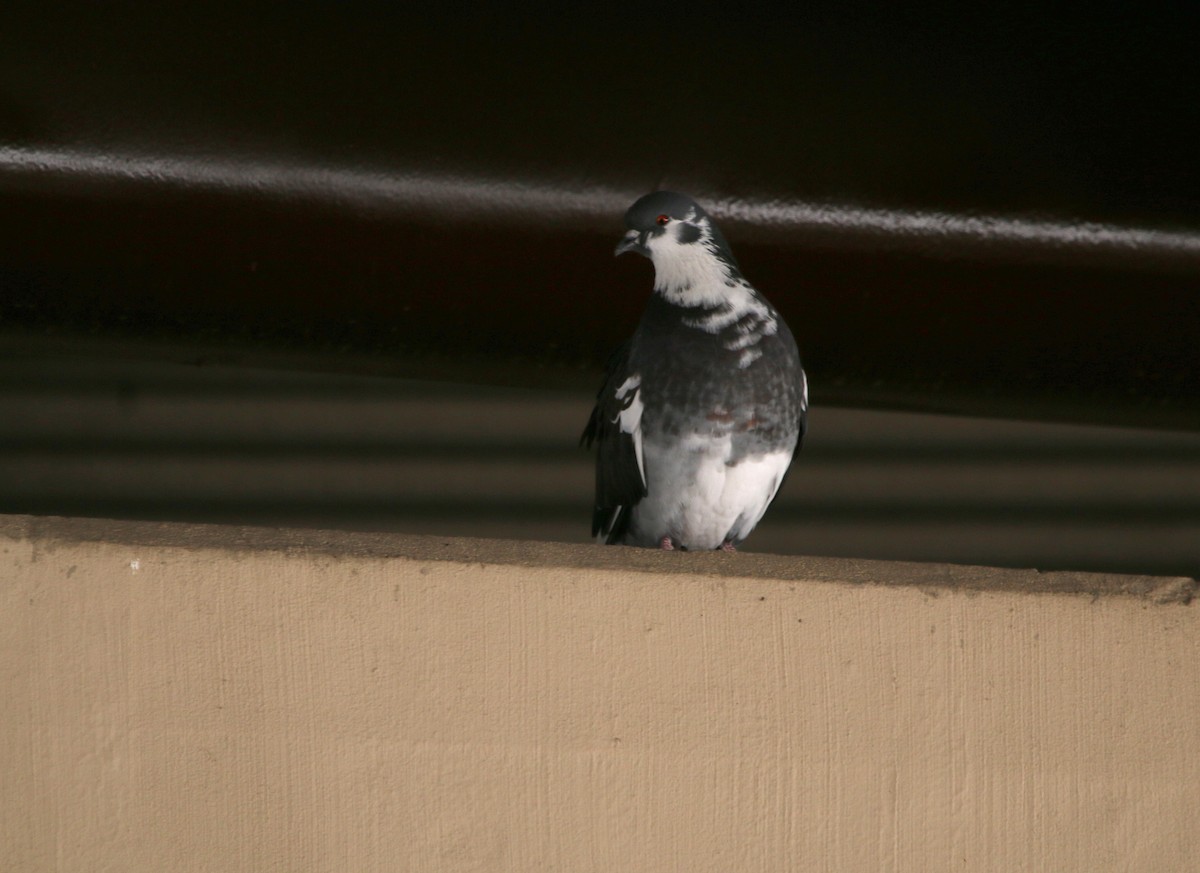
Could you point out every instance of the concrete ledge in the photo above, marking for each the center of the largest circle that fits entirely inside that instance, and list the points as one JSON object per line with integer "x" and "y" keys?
{"x": 527, "y": 553}
{"x": 184, "y": 697}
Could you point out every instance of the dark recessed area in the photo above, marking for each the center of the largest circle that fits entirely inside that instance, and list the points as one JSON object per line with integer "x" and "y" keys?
{"x": 982, "y": 215}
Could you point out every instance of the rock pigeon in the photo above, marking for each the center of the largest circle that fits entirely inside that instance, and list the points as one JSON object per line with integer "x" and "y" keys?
{"x": 703, "y": 409}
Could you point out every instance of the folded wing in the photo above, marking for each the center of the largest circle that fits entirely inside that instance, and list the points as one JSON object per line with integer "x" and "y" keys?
{"x": 615, "y": 428}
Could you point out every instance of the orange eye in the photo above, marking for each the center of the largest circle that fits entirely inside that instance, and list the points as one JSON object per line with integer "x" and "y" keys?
{"x": 663, "y": 219}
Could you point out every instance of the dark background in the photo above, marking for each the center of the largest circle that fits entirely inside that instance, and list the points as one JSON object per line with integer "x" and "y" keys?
{"x": 392, "y": 190}
{"x": 979, "y": 112}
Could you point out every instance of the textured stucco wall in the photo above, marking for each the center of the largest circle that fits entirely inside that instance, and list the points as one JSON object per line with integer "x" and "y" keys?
{"x": 183, "y": 698}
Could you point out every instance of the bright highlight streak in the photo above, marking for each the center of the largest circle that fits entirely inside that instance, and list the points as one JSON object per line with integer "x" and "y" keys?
{"x": 960, "y": 233}
{"x": 363, "y": 189}
{"x": 459, "y": 197}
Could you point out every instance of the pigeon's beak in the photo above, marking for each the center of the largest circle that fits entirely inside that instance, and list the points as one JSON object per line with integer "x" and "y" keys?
{"x": 631, "y": 242}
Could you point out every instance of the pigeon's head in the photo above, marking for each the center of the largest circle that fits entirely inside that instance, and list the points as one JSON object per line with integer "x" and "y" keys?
{"x": 675, "y": 232}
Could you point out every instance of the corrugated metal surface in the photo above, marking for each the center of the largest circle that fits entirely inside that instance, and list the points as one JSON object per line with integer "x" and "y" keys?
{"x": 142, "y": 440}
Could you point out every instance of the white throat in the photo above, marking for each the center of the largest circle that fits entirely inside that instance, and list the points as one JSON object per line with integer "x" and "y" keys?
{"x": 689, "y": 274}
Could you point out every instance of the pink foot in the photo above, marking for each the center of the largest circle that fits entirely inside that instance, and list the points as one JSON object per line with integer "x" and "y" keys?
{"x": 666, "y": 544}
{"x": 727, "y": 546}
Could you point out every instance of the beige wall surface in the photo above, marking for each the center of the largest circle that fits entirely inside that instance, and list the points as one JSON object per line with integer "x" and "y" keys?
{"x": 222, "y": 699}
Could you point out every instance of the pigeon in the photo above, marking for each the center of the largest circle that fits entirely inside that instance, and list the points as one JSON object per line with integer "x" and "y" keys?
{"x": 702, "y": 411}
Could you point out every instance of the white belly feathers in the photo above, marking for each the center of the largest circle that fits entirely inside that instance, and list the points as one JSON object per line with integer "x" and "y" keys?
{"x": 697, "y": 498}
